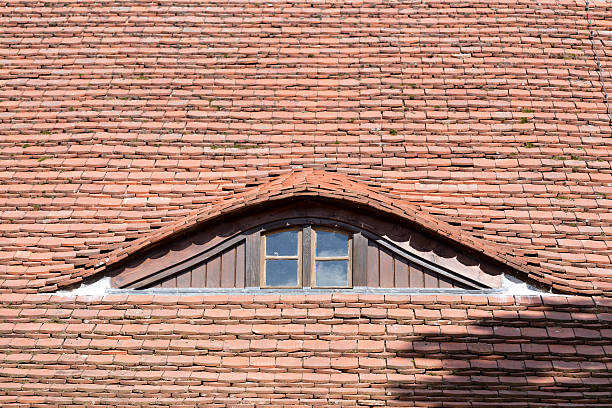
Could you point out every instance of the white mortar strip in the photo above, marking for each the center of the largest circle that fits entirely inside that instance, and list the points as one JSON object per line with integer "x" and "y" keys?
{"x": 510, "y": 286}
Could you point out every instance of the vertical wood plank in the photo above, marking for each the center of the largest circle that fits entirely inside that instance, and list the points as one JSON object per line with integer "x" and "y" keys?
{"x": 169, "y": 282}
{"x": 373, "y": 274}
{"x": 416, "y": 276}
{"x": 240, "y": 265}
{"x": 306, "y": 256}
{"x": 387, "y": 274}
{"x": 431, "y": 280}
{"x": 213, "y": 272}
{"x": 198, "y": 276}
{"x": 401, "y": 272}
{"x": 445, "y": 283}
{"x": 360, "y": 260}
{"x": 228, "y": 268}
{"x": 253, "y": 248}
{"x": 183, "y": 279}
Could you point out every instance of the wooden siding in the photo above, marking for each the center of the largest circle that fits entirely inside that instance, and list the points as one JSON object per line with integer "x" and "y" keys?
{"x": 224, "y": 270}
{"x": 383, "y": 269}
{"x": 388, "y": 270}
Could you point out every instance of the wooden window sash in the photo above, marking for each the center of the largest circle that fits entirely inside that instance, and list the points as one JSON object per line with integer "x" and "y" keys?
{"x": 264, "y": 258}
{"x": 315, "y": 258}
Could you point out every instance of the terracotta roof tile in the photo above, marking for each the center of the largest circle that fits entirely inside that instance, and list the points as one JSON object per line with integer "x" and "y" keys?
{"x": 51, "y": 342}
{"x": 118, "y": 121}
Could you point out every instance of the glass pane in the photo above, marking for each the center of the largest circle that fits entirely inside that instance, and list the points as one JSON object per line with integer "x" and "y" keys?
{"x": 331, "y": 243}
{"x": 281, "y": 272}
{"x": 332, "y": 273}
{"x": 283, "y": 243}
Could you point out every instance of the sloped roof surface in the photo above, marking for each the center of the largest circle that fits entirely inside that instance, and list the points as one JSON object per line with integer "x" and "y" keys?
{"x": 304, "y": 351}
{"x": 118, "y": 118}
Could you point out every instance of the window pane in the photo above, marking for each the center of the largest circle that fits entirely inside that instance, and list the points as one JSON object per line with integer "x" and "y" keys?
{"x": 332, "y": 273}
{"x": 283, "y": 243}
{"x": 281, "y": 272}
{"x": 331, "y": 243}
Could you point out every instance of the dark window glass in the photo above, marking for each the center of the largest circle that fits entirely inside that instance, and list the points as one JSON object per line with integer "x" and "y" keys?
{"x": 332, "y": 273}
{"x": 331, "y": 244}
{"x": 284, "y": 243}
{"x": 281, "y": 272}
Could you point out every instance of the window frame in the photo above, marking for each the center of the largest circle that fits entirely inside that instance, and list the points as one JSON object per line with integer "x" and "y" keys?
{"x": 263, "y": 258}
{"x": 306, "y": 249}
{"x": 314, "y": 258}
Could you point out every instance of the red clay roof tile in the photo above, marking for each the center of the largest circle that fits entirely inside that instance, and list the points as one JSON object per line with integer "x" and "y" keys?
{"x": 118, "y": 121}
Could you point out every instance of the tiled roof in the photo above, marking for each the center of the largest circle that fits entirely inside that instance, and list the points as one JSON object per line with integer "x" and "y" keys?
{"x": 324, "y": 185}
{"x": 305, "y": 351}
{"x": 117, "y": 119}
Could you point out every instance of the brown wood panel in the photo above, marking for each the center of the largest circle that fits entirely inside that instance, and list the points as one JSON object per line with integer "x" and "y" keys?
{"x": 373, "y": 272}
{"x": 171, "y": 258}
{"x": 253, "y": 249}
{"x": 228, "y": 268}
{"x": 240, "y": 265}
{"x": 183, "y": 279}
{"x": 416, "y": 276}
{"x": 431, "y": 280}
{"x": 228, "y": 271}
{"x": 198, "y": 276}
{"x": 445, "y": 283}
{"x": 379, "y": 268}
{"x": 307, "y": 266}
{"x": 213, "y": 272}
{"x": 360, "y": 260}
{"x": 402, "y": 279}
{"x": 387, "y": 273}
{"x": 169, "y": 283}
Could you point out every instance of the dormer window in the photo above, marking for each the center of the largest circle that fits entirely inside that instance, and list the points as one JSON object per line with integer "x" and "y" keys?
{"x": 321, "y": 256}
{"x": 310, "y": 245}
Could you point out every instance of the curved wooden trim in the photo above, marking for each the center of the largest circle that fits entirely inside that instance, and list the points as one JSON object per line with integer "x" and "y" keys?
{"x": 136, "y": 280}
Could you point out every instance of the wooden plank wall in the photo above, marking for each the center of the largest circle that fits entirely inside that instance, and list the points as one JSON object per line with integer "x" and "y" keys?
{"x": 388, "y": 270}
{"x": 226, "y": 270}
{"x": 383, "y": 269}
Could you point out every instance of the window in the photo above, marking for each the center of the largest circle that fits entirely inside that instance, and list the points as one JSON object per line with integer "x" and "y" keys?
{"x": 332, "y": 264}
{"x": 318, "y": 256}
{"x": 282, "y": 254}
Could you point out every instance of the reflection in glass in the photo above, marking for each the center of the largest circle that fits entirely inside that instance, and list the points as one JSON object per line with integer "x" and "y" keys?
{"x": 284, "y": 243}
{"x": 331, "y": 243}
{"x": 281, "y": 272}
{"x": 332, "y": 273}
